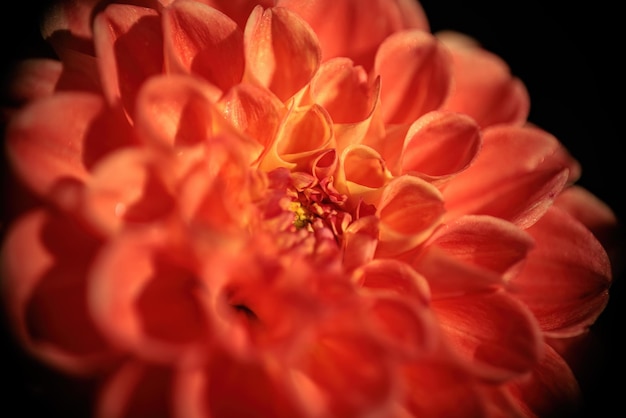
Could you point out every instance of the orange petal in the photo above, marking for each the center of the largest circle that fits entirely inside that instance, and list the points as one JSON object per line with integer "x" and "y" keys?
{"x": 409, "y": 210}
{"x": 347, "y": 29}
{"x": 203, "y": 41}
{"x": 238, "y": 10}
{"x": 45, "y": 259}
{"x": 30, "y": 79}
{"x": 282, "y": 52}
{"x": 43, "y": 151}
{"x": 440, "y": 144}
{"x": 516, "y": 176}
{"x": 362, "y": 173}
{"x": 147, "y": 297}
{"x": 485, "y": 89}
{"x": 129, "y": 45}
{"x": 359, "y": 242}
{"x": 493, "y": 332}
{"x": 566, "y": 278}
{"x": 415, "y": 75}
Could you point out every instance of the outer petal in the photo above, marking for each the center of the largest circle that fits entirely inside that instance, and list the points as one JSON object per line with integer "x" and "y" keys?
{"x": 129, "y": 45}
{"x": 484, "y": 87}
{"x": 45, "y": 259}
{"x": 566, "y": 278}
{"x": 347, "y": 29}
{"x": 415, "y": 75}
{"x": 238, "y": 10}
{"x": 282, "y": 52}
{"x": 439, "y": 145}
{"x": 474, "y": 253}
{"x": 551, "y": 390}
{"x": 43, "y": 151}
{"x": 493, "y": 332}
{"x": 31, "y": 79}
{"x": 203, "y": 41}
{"x": 516, "y": 176}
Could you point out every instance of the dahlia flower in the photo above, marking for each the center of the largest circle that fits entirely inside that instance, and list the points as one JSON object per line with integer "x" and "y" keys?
{"x": 290, "y": 208}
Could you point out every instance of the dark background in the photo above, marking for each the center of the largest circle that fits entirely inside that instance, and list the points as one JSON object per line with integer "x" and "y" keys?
{"x": 569, "y": 57}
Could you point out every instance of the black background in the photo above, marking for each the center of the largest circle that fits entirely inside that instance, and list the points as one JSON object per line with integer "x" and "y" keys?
{"x": 568, "y": 56}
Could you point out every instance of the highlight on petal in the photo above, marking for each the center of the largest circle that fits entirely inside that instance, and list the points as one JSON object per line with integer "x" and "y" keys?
{"x": 439, "y": 145}
{"x": 203, "y": 41}
{"x": 362, "y": 173}
{"x": 347, "y": 29}
{"x": 484, "y": 87}
{"x": 129, "y": 46}
{"x": 516, "y": 177}
{"x": 281, "y": 50}
{"x": 566, "y": 278}
{"x": 415, "y": 75}
{"x": 43, "y": 152}
{"x": 45, "y": 258}
{"x": 409, "y": 210}
{"x": 493, "y": 332}
{"x": 393, "y": 276}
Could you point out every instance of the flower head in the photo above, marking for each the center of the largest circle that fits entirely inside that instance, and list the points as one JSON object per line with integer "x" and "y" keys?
{"x": 293, "y": 209}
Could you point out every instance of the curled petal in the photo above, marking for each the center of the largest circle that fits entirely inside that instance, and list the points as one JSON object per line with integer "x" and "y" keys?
{"x": 201, "y": 40}
{"x": 347, "y": 29}
{"x": 147, "y": 299}
{"x": 282, "y": 52}
{"x": 439, "y": 145}
{"x": 566, "y": 278}
{"x": 304, "y": 133}
{"x": 45, "y": 258}
{"x": 43, "y": 152}
{"x": 409, "y": 210}
{"x": 359, "y": 242}
{"x": 362, "y": 173}
{"x": 129, "y": 46}
{"x": 484, "y": 87}
{"x": 238, "y": 10}
{"x": 415, "y": 75}
{"x": 516, "y": 176}
{"x": 493, "y": 332}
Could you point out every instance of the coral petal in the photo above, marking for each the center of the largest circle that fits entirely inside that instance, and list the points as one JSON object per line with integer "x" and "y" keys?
{"x": 566, "y": 278}
{"x": 282, "y": 52}
{"x": 129, "y": 45}
{"x": 416, "y": 75}
{"x": 494, "y": 332}
{"x": 203, "y": 41}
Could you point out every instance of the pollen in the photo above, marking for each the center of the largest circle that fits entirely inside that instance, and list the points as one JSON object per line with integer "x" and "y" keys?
{"x": 302, "y": 217}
